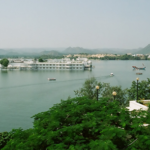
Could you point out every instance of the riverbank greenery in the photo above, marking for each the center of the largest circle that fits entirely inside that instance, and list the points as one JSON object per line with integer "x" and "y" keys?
{"x": 122, "y": 57}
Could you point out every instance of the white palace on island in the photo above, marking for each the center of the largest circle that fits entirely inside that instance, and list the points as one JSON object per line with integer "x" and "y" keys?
{"x": 53, "y": 64}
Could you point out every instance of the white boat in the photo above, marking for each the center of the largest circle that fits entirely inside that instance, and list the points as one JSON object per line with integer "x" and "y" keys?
{"x": 111, "y": 74}
{"x": 51, "y": 79}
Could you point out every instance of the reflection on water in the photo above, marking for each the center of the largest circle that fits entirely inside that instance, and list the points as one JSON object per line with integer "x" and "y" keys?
{"x": 25, "y": 93}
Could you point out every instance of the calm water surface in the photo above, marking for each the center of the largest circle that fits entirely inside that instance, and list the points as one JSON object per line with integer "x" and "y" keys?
{"x": 25, "y": 93}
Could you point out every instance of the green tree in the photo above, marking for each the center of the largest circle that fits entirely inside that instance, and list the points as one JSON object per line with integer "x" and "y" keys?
{"x": 143, "y": 90}
{"x": 4, "y": 138}
{"x": 41, "y": 60}
{"x": 84, "y": 124}
{"x": 89, "y": 88}
{"x": 4, "y": 62}
{"x": 121, "y": 96}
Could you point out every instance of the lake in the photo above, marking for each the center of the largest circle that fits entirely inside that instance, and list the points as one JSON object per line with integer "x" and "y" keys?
{"x": 26, "y": 93}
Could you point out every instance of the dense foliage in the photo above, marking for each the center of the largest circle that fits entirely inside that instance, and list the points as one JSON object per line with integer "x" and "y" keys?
{"x": 122, "y": 57}
{"x": 4, "y": 138}
{"x": 89, "y": 89}
{"x": 143, "y": 90}
{"x": 41, "y": 60}
{"x": 4, "y": 62}
{"x": 105, "y": 90}
{"x": 121, "y": 96}
{"x": 84, "y": 124}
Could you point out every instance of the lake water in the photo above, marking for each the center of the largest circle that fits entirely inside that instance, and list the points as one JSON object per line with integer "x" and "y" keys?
{"x": 26, "y": 93}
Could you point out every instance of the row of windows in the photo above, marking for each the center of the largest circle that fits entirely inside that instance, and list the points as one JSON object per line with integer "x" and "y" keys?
{"x": 59, "y": 68}
{"x": 60, "y": 65}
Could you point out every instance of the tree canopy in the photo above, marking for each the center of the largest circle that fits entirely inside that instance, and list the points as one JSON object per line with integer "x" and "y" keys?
{"x": 41, "y": 60}
{"x": 105, "y": 90}
{"x": 84, "y": 124}
{"x": 89, "y": 89}
{"x": 4, "y": 62}
{"x": 143, "y": 90}
{"x": 121, "y": 96}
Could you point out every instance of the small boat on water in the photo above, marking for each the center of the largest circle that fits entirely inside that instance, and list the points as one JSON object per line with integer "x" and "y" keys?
{"x": 139, "y": 68}
{"x": 111, "y": 74}
{"x": 51, "y": 79}
{"x": 139, "y": 73}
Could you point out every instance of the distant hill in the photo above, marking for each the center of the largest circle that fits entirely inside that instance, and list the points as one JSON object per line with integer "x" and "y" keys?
{"x": 3, "y": 52}
{"x": 77, "y": 50}
{"x": 145, "y": 50}
{"x": 70, "y": 50}
{"x": 52, "y": 53}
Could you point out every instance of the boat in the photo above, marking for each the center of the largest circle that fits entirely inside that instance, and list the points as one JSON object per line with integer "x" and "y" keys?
{"x": 139, "y": 68}
{"x": 51, "y": 79}
{"x": 139, "y": 73}
{"x": 111, "y": 74}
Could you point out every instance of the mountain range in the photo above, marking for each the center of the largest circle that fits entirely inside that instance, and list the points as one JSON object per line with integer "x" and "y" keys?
{"x": 70, "y": 50}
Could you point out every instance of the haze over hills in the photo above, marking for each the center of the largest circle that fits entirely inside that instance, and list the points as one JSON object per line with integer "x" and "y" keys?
{"x": 52, "y": 52}
{"x": 76, "y": 50}
{"x": 71, "y": 50}
{"x": 145, "y": 50}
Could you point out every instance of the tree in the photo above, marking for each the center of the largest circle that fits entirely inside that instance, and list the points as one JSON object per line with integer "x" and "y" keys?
{"x": 143, "y": 90}
{"x": 4, "y": 138}
{"x": 41, "y": 60}
{"x": 121, "y": 96}
{"x": 105, "y": 90}
{"x": 89, "y": 88}
{"x": 84, "y": 124}
{"x": 4, "y": 62}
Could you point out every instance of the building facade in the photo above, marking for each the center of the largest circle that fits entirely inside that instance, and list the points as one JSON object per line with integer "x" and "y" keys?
{"x": 56, "y": 64}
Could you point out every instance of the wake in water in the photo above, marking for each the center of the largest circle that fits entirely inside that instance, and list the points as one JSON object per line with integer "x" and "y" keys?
{"x": 53, "y": 82}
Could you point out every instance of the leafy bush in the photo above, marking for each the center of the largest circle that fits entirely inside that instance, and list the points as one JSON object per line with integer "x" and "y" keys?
{"x": 89, "y": 89}
{"x": 84, "y": 124}
{"x": 105, "y": 90}
{"x": 41, "y": 60}
{"x": 4, "y": 138}
{"x": 143, "y": 90}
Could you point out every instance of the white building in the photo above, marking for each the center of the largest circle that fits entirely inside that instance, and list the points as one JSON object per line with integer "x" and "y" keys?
{"x": 133, "y": 105}
{"x": 55, "y": 64}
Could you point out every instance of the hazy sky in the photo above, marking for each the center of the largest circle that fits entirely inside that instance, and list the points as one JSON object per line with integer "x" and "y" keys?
{"x": 83, "y": 23}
